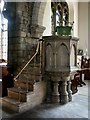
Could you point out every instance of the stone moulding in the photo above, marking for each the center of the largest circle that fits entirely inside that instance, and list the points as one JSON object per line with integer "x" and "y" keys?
{"x": 36, "y": 30}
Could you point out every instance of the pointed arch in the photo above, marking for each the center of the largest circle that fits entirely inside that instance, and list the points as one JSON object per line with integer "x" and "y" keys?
{"x": 73, "y": 55}
{"x": 37, "y": 27}
{"x": 38, "y": 13}
{"x": 49, "y": 56}
{"x": 58, "y": 46}
{"x": 62, "y": 57}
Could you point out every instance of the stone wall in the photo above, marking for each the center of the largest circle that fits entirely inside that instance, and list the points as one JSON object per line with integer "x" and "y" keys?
{"x": 19, "y": 35}
{"x": 22, "y": 33}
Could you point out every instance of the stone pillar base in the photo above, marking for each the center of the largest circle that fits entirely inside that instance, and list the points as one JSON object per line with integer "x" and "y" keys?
{"x": 64, "y": 93}
{"x": 55, "y": 94}
{"x": 64, "y": 98}
{"x": 69, "y": 91}
{"x": 55, "y": 99}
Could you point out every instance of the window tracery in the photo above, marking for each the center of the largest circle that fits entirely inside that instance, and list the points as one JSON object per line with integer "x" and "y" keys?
{"x": 60, "y": 14}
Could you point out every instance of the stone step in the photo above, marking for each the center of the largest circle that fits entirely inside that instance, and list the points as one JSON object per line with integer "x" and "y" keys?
{"x": 33, "y": 98}
{"x": 12, "y": 104}
{"x": 31, "y": 77}
{"x": 24, "y": 84}
{"x": 33, "y": 70}
{"x": 19, "y": 94}
{"x": 36, "y": 77}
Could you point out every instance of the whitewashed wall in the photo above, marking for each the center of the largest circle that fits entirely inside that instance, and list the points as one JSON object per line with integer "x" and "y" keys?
{"x": 83, "y": 26}
{"x": 71, "y": 13}
{"x": 75, "y": 19}
{"x": 73, "y": 16}
{"x": 47, "y": 19}
{"x": 89, "y": 30}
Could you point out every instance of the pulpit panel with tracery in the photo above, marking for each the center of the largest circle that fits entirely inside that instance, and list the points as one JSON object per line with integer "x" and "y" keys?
{"x": 73, "y": 57}
{"x": 49, "y": 55}
{"x": 62, "y": 57}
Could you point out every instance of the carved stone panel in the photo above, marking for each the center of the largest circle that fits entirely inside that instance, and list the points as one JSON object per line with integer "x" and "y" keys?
{"x": 49, "y": 55}
{"x": 60, "y": 52}
{"x": 62, "y": 57}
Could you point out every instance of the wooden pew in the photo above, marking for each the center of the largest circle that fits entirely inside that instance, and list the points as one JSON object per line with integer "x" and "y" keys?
{"x": 7, "y": 78}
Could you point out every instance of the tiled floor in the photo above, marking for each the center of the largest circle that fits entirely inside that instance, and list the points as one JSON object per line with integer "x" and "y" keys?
{"x": 78, "y": 108}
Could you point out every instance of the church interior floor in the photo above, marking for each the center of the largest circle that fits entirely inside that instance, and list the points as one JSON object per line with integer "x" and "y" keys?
{"x": 78, "y": 108}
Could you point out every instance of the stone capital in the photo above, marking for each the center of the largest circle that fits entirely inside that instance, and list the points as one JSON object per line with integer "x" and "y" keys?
{"x": 36, "y": 30}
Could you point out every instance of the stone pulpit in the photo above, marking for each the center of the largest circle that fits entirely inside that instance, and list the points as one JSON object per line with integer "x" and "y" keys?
{"x": 59, "y": 61}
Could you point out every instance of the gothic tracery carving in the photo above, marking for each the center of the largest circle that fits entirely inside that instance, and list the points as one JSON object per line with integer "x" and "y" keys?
{"x": 60, "y": 14}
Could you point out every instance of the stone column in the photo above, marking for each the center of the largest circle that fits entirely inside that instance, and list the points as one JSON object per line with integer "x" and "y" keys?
{"x": 55, "y": 94}
{"x": 18, "y": 23}
{"x": 64, "y": 94}
{"x": 49, "y": 91}
{"x": 21, "y": 47}
{"x": 69, "y": 90}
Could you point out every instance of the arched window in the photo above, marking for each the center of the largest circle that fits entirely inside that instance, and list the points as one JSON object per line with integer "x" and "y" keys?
{"x": 60, "y": 14}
